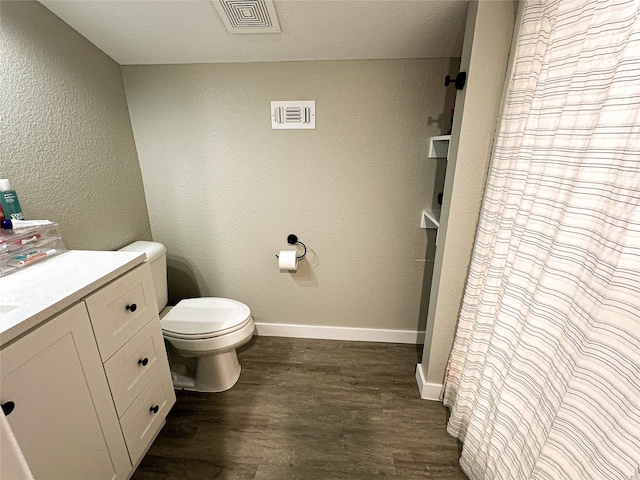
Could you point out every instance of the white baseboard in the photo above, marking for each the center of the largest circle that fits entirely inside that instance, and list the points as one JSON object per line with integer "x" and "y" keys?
{"x": 340, "y": 333}
{"x": 428, "y": 391}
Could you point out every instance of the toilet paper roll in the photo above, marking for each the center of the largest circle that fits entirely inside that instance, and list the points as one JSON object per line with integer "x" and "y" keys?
{"x": 287, "y": 261}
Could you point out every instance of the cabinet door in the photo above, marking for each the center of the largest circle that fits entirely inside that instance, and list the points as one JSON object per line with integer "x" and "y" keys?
{"x": 64, "y": 419}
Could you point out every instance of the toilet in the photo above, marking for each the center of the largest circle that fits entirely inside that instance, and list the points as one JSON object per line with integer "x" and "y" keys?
{"x": 202, "y": 333}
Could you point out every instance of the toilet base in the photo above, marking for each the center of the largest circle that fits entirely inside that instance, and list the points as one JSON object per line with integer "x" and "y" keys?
{"x": 213, "y": 373}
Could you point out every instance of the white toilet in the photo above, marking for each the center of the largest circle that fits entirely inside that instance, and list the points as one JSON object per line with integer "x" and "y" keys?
{"x": 203, "y": 333}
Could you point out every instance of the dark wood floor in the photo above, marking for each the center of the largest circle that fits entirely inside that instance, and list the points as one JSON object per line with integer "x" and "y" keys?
{"x": 308, "y": 410}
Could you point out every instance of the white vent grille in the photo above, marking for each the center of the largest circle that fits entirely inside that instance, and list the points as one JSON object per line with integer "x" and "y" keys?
{"x": 248, "y": 16}
{"x": 293, "y": 115}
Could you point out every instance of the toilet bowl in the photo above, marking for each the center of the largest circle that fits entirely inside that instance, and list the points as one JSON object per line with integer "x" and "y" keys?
{"x": 202, "y": 333}
{"x": 209, "y": 329}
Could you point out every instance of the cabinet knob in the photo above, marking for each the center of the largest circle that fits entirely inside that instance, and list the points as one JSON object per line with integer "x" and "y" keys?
{"x": 154, "y": 409}
{"x": 143, "y": 361}
{"x": 459, "y": 81}
{"x": 132, "y": 308}
{"x": 8, "y": 407}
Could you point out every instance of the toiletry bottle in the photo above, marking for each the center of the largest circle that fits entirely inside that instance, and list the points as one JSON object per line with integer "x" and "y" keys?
{"x": 9, "y": 201}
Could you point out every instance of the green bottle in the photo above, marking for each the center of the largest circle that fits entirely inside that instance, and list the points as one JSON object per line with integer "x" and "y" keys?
{"x": 9, "y": 201}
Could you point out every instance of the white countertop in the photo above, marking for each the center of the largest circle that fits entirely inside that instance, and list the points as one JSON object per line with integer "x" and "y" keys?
{"x": 36, "y": 293}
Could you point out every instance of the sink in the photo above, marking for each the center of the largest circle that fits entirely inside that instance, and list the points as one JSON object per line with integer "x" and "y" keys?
{"x": 4, "y": 309}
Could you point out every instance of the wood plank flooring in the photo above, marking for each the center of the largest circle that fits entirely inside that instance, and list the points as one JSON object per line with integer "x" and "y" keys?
{"x": 309, "y": 410}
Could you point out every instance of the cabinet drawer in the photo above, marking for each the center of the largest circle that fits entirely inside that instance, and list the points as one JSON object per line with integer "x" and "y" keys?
{"x": 119, "y": 310}
{"x": 134, "y": 365}
{"x": 145, "y": 417}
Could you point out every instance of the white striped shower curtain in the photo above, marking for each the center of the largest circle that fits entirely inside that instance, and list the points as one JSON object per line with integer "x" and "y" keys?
{"x": 543, "y": 381}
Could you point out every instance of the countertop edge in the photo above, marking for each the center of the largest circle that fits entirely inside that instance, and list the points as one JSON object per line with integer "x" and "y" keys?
{"x": 120, "y": 263}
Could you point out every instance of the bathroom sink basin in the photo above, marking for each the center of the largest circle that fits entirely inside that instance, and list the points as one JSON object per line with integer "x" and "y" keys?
{"x": 4, "y": 309}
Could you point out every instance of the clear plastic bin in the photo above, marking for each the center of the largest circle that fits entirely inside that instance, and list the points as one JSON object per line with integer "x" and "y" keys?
{"x": 23, "y": 247}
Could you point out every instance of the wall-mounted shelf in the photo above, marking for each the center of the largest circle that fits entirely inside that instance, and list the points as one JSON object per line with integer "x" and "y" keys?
{"x": 430, "y": 219}
{"x": 439, "y": 146}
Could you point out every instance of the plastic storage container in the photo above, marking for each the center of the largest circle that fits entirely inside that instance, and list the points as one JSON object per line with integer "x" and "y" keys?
{"x": 28, "y": 246}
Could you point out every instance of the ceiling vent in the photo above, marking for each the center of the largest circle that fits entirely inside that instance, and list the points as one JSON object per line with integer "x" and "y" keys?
{"x": 248, "y": 16}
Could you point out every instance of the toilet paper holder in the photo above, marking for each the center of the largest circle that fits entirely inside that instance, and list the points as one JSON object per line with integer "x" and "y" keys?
{"x": 293, "y": 240}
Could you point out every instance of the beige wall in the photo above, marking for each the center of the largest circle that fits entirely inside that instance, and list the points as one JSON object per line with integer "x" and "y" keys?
{"x": 66, "y": 140}
{"x": 488, "y": 38}
{"x": 224, "y": 190}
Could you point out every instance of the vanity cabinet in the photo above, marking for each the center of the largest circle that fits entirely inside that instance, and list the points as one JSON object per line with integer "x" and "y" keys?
{"x": 63, "y": 416}
{"x": 88, "y": 389}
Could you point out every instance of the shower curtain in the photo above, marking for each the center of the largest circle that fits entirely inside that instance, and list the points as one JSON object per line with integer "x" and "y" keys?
{"x": 543, "y": 380}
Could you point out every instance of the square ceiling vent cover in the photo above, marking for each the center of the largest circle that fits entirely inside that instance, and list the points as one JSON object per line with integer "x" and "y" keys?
{"x": 248, "y": 16}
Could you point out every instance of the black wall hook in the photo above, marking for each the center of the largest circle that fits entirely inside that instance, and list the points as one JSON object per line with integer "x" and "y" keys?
{"x": 292, "y": 239}
{"x": 460, "y": 80}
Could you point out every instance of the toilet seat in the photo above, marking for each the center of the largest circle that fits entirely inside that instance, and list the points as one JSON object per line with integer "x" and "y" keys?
{"x": 202, "y": 318}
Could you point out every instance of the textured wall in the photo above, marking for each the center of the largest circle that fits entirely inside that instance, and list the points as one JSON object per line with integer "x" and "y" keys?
{"x": 485, "y": 56}
{"x": 67, "y": 144}
{"x": 224, "y": 190}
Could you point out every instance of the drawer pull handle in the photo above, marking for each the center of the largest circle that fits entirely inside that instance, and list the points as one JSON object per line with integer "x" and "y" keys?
{"x": 143, "y": 361}
{"x": 8, "y": 407}
{"x": 132, "y": 308}
{"x": 155, "y": 409}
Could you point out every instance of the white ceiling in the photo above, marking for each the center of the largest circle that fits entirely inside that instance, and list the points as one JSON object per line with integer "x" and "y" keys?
{"x": 190, "y": 31}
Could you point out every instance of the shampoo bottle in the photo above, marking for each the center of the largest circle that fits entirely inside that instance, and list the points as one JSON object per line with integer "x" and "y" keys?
{"x": 9, "y": 201}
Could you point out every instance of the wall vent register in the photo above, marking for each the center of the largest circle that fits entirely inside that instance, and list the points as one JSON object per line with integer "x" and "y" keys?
{"x": 293, "y": 115}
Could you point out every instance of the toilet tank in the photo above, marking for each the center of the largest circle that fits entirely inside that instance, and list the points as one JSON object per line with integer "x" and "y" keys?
{"x": 157, "y": 257}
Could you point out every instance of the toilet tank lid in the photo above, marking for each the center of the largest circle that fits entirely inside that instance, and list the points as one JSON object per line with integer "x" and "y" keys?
{"x": 152, "y": 249}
